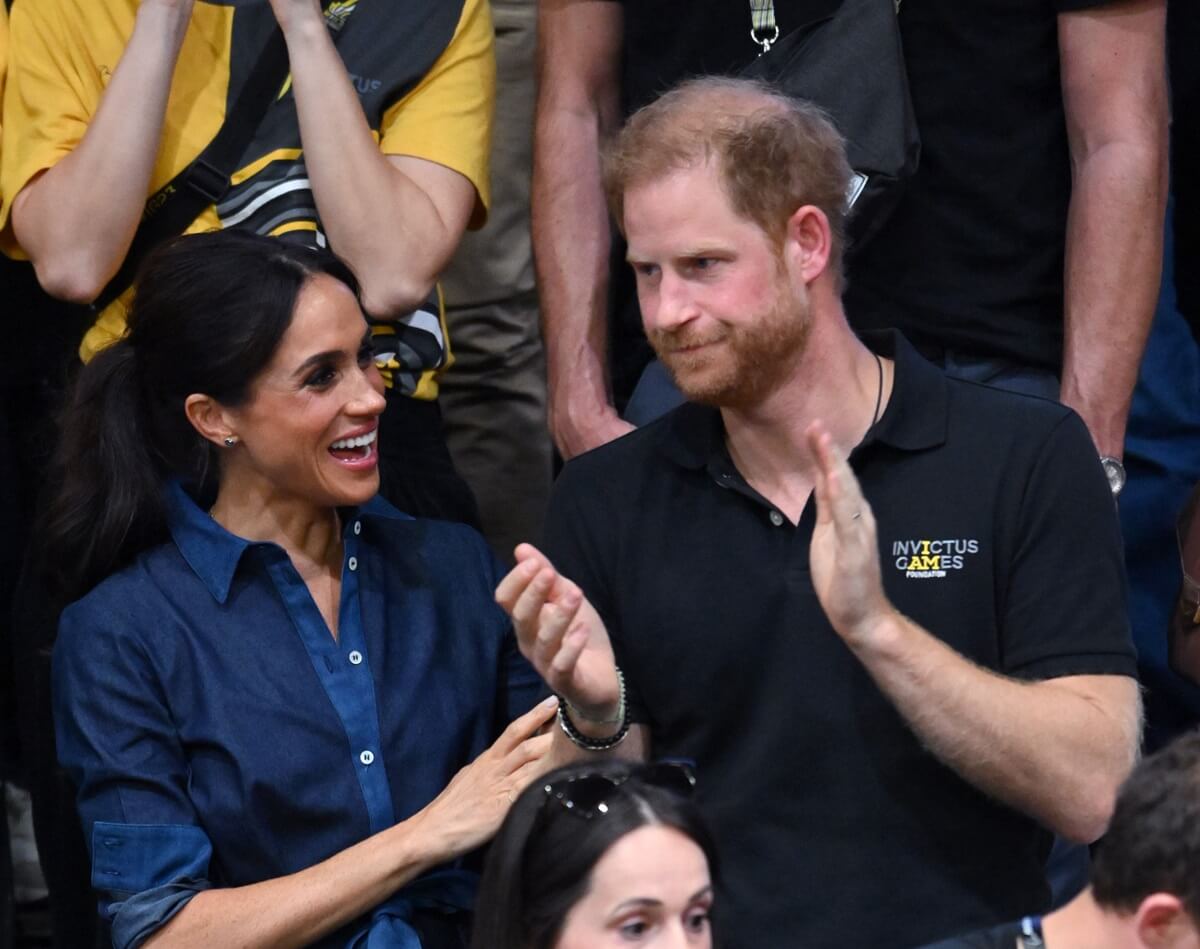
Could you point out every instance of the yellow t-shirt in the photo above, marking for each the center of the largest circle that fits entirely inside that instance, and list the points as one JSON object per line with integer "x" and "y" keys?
{"x": 424, "y": 72}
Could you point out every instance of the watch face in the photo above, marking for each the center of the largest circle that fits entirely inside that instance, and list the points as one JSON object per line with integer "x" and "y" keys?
{"x": 1115, "y": 472}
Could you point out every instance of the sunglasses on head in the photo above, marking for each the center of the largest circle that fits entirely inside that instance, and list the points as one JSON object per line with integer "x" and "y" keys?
{"x": 588, "y": 795}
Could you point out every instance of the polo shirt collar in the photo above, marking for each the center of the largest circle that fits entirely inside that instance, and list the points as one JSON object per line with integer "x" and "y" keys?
{"x": 915, "y": 418}
{"x": 214, "y": 553}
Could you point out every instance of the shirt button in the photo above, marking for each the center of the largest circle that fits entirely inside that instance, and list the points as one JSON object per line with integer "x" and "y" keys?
{"x": 776, "y": 518}
{"x": 355, "y": 658}
{"x": 352, "y": 563}
{"x": 366, "y": 757}
{"x": 358, "y": 527}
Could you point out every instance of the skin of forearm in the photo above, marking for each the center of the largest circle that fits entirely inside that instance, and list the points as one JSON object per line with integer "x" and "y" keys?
{"x": 77, "y": 220}
{"x": 295, "y": 910}
{"x": 1039, "y": 747}
{"x": 571, "y": 250}
{"x": 1113, "y": 267}
{"x": 376, "y": 218}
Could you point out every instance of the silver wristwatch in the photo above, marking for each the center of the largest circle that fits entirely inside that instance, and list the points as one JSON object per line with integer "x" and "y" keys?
{"x": 1115, "y": 472}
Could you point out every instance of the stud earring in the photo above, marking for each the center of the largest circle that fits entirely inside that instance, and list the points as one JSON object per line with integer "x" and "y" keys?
{"x": 230, "y": 441}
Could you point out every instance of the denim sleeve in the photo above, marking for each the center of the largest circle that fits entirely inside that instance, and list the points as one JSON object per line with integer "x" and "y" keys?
{"x": 119, "y": 744}
{"x": 129, "y": 866}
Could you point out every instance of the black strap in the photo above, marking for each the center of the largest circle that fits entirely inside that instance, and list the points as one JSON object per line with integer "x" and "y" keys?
{"x": 178, "y": 203}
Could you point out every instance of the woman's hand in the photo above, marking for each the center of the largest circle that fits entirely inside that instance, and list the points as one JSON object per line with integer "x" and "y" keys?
{"x": 469, "y": 811}
{"x": 561, "y": 635}
{"x": 844, "y": 553}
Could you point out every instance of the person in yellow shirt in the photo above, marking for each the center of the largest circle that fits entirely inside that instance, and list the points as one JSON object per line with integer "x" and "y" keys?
{"x": 376, "y": 147}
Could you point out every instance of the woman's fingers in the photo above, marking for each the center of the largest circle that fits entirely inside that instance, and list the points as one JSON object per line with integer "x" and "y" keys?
{"x": 526, "y": 726}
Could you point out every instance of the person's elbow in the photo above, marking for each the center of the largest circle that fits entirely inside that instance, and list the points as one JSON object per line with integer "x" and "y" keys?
{"x": 391, "y": 293}
{"x": 70, "y": 275}
{"x": 1091, "y": 810}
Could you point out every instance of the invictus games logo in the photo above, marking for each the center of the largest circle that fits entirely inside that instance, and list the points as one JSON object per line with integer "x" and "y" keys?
{"x": 931, "y": 559}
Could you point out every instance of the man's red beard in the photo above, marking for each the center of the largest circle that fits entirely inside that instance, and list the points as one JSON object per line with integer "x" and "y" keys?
{"x": 737, "y": 365}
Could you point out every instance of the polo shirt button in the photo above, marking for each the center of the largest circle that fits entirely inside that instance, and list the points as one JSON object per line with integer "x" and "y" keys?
{"x": 776, "y": 518}
{"x": 358, "y": 527}
{"x": 355, "y": 658}
{"x": 366, "y": 757}
{"x": 352, "y": 563}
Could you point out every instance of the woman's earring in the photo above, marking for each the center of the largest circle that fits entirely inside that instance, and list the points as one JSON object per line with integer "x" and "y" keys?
{"x": 230, "y": 441}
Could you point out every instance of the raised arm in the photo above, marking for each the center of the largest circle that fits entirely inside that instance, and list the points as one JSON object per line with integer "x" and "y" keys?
{"x": 77, "y": 219}
{"x": 1055, "y": 749}
{"x": 1115, "y": 94}
{"x": 579, "y": 58}
{"x": 395, "y": 219}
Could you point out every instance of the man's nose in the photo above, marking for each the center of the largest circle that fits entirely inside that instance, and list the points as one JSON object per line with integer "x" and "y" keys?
{"x": 675, "y": 304}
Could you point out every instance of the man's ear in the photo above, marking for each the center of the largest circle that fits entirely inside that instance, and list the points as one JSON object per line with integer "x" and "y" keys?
{"x": 808, "y": 243}
{"x": 1162, "y": 922}
{"x": 209, "y": 418}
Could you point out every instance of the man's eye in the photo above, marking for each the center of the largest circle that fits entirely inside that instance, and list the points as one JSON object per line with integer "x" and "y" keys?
{"x": 702, "y": 263}
{"x": 645, "y": 270}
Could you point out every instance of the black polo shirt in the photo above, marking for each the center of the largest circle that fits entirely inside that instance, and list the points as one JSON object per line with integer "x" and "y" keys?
{"x": 997, "y": 533}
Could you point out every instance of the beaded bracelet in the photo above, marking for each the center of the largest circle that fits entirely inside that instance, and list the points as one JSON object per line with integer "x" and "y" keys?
{"x": 597, "y": 744}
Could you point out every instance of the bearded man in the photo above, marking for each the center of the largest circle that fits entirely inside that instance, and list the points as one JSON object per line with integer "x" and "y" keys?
{"x": 881, "y": 610}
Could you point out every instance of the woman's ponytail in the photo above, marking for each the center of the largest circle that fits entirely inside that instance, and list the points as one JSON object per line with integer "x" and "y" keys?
{"x": 106, "y": 503}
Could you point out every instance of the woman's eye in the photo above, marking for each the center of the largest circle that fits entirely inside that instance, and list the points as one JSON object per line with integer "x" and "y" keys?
{"x": 696, "y": 920}
{"x": 634, "y": 929}
{"x": 320, "y": 378}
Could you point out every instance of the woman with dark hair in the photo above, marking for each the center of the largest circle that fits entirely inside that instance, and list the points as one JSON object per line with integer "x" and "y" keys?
{"x": 275, "y": 692}
{"x": 600, "y": 854}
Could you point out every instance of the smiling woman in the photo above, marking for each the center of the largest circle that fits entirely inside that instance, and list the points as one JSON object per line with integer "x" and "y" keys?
{"x": 275, "y": 692}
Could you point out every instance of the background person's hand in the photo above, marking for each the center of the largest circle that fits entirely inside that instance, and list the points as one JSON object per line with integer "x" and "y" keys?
{"x": 844, "y": 553}
{"x": 471, "y": 808}
{"x": 561, "y": 634}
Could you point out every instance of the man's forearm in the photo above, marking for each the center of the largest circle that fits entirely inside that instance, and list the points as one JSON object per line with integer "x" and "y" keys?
{"x": 77, "y": 220}
{"x": 1113, "y": 267}
{"x": 377, "y": 218}
{"x": 571, "y": 248}
{"x": 1055, "y": 749}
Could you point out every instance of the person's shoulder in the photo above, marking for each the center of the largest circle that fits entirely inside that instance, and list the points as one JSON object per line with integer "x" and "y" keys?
{"x": 120, "y": 604}
{"x": 628, "y": 457}
{"x": 1000, "y": 937}
{"x": 1003, "y": 408}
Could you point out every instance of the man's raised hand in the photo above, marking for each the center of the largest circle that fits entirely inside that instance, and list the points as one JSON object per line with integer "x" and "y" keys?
{"x": 560, "y": 634}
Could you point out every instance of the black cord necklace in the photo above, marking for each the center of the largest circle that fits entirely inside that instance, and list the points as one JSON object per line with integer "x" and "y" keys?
{"x": 878, "y": 393}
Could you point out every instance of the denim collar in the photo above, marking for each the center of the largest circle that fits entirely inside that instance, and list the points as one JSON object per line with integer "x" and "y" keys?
{"x": 214, "y": 553}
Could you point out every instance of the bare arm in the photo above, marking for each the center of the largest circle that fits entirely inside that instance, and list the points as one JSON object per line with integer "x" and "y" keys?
{"x": 1055, "y": 749}
{"x": 579, "y": 55}
{"x": 395, "y": 219}
{"x": 296, "y": 910}
{"x": 1114, "y": 91}
{"x": 77, "y": 219}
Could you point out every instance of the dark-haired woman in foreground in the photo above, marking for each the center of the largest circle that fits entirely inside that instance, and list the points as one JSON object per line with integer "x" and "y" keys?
{"x": 277, "y": 693}
{"x": 600, "y": 854}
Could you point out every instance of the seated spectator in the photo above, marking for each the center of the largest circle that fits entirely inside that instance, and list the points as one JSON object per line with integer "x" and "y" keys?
{"x": 277, "y": 693}
{"x": 600, "y": 854}
{"x": 1145, "y": 876}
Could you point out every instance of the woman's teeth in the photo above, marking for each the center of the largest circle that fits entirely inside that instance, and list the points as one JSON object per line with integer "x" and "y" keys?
{"x": 362, "y": 441}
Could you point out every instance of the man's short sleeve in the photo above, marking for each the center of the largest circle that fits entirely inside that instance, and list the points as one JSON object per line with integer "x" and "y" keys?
{"x": 1063, "y": 606}
{"x": 447, "y": 118}
{"x": 117, "y": 741}
{"x": 47, "y": 106}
